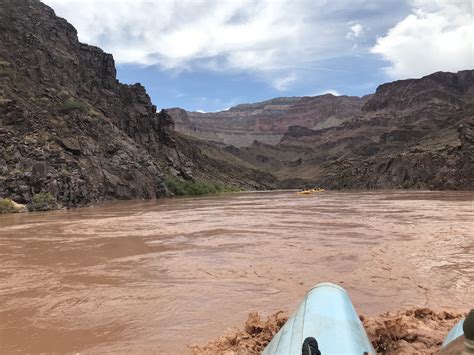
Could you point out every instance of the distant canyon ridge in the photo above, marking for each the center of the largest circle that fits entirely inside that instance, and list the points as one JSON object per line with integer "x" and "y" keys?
{"x": 415, "y": 133}
{"x": 267, "y": 121}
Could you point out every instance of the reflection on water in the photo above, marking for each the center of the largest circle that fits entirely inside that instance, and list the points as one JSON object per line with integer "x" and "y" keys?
{"x": 157, "y": 275}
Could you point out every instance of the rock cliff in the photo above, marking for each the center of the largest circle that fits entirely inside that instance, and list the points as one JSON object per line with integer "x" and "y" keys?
{"x": 415, "y": 133}
{"x": 67, "y": 126}
{"x": 267, "y": 121}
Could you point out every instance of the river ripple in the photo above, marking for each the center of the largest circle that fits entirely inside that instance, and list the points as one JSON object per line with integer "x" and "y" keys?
{"x": 155, "y": 276}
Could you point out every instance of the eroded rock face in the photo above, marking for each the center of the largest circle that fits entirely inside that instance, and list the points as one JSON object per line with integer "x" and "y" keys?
{"x": 267, "y": 121}
{"x": 421, "y": 131}
{"x": 67, "y": 126}
{"x": 440, "y": 88}
{"x": 413, "y": 133}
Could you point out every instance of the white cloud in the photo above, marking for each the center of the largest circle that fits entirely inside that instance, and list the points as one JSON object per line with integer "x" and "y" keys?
{"x": 355, "y": 31}
{"x": 241, "y": 34}
{"x": 266, "y": 37}
{"x": 438, "y": 35}
{"x": 280, "y": 42}
{"x": 283, "y": 83}
{"x": 332, "y": 92}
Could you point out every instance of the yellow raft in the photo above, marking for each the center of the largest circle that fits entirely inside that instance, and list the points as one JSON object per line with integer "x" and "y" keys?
{"x": 310, "y": 191}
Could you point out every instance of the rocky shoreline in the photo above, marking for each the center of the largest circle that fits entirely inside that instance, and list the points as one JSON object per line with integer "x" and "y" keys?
{"x": 70, "y": 129}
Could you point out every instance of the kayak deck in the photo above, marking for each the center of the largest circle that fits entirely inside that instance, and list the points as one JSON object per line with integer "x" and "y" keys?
{"x": 326, "y": 314}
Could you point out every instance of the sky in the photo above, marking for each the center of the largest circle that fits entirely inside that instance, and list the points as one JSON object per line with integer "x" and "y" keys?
{"x": 209, "y": 55}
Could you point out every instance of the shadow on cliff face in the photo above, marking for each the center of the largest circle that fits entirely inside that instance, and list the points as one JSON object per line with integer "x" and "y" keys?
{"x": 69, "y": 128}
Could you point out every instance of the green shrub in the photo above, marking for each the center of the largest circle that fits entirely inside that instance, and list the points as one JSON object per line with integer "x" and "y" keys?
{"x": 74, "y": 105}
{"x": 7, "y": 72}
{"x": 94, "y": 113}
{"x": 6, "y": 69}
{"x": 6, "y": 205}
{"x": 43, "y": 201}
{"x": 16, "y": 171}
{"x": 181, "y": 187}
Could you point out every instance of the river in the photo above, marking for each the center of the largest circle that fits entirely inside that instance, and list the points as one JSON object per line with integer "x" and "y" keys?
{"x": 155, "y": 276}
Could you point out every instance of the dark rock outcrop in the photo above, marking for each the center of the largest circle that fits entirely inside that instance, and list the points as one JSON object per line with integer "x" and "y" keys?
{"x": 415, "y": 133}
{"x": 67, "y": 126}
{"x": 438, "y": 88}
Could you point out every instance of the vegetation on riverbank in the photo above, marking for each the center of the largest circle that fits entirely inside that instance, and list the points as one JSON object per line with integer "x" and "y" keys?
{"x": 46, "y": 201}
{"x": 7, "y": 205}
{"x": 180, "y": 187}
{"x": 43, "y": 201}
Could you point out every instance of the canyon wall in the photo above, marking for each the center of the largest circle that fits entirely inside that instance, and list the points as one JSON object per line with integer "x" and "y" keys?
{"x": 70, "y": 128}
{"x": 267, "y": 121}
{"x": 415, "y": 133}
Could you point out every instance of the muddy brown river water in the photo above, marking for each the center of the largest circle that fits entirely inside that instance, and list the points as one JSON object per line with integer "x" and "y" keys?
{"x": 155, "y": 276}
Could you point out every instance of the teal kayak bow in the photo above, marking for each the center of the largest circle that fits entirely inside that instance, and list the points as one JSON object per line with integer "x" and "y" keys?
{"x": 325, "y": 322}
{"x": 460, "y": 339}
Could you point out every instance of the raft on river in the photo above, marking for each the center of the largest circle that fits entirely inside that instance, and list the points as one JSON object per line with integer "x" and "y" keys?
{"x": 326, "y": 322}
{"x": 310, "y": 191}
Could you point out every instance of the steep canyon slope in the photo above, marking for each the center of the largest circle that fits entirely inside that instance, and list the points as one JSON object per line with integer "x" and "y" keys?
{"x": 68, "y": 127}
{"x": 416, "y": 133}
